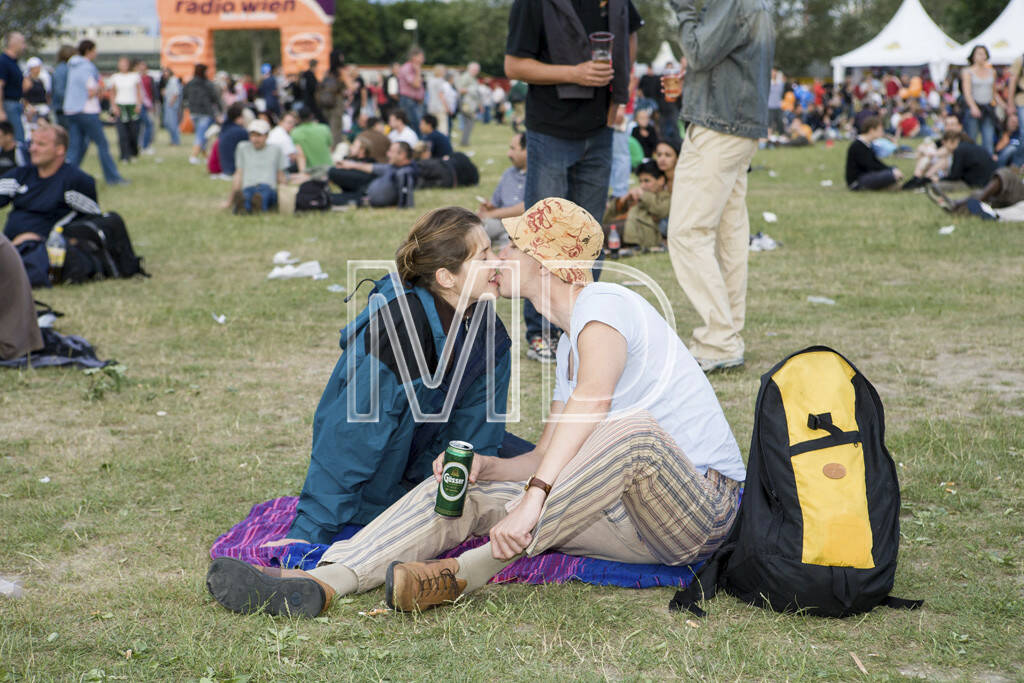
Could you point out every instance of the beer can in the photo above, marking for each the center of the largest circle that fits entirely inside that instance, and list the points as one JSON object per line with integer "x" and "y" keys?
{"x": 451, "y": 492}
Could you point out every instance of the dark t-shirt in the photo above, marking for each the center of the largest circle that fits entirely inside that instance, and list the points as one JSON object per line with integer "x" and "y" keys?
{"x": 440, "y": 145}
{"x": 230, "y": 136}
{"x": 10, "y": 74}
{"x": 8, "y": 159}
{"x": 573, "y": 119}
{"x": 39, "y": 203}
{"x": 971, "y": 164}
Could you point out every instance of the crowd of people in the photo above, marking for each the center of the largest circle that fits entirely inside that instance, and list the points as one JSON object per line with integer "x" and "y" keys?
{"x": 647, "y": 470}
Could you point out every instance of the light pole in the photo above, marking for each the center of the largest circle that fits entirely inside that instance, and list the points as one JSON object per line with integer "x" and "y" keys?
{"x": 412, "y": 25}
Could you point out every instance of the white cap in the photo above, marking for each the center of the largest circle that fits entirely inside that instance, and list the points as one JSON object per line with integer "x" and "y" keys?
{"x": 258, "y": 126}
{"x": 33, "y": 62}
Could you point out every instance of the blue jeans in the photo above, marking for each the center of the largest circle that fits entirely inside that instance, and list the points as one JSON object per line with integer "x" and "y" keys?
{"x": 266, "y": 192}
{"x": 620, "y": 165}
{"x": 202, "y": 123}
{"x": 171, "y": 123}
{"x": 146, "y": 124}
{"x": 987, "y": 123}
{"x": 577, "y": 170}
{"x": 412, "y": 109}
{"x": 13, "y": 110}
{"x": 83, "y": 129}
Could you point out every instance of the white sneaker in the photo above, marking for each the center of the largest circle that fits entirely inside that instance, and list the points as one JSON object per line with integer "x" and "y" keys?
{"x": 194, "y": 161}
{"x": 709, "y": 365}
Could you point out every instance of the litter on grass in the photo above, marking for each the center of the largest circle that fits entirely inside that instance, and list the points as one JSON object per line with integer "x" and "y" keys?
{"x": 288, "y": 272}
{"x": 772, "y": 174}
{"x": 220, "y": 319}
{"x": 821, "y": 300}
{"x": 947, "y": 229}
{"x": 336, "y": 289}
{"x": 826, "y": 183}
{"x": 770, "y": 217}
{"x": 762, "y": 242}
{"x": 11, "y": 587}
{"x": 284, "y": 258}
{"x": 44, "y": 480}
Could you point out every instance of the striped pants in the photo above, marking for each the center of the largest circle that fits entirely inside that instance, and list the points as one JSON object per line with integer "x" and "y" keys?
{"x": 629, "y": 495}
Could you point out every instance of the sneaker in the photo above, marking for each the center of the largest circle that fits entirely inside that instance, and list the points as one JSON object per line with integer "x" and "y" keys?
{"x": 914, "y": 183}
{"x": 195, "y": 161}
{"x": 245, "y": 588}
{"x": 939, "y": 197}
{"x": 541, "y": 350}
{"x": 709, "y": 365}
{"x": 417, "y": 586}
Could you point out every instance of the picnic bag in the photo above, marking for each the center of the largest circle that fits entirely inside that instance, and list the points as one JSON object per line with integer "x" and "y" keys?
{"x": 313, "y": 196}
{"x": 818, "y": 528}
{"x": 99, "y": 247}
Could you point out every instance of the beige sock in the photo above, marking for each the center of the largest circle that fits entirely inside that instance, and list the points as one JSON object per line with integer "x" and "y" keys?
{"x": 477, "y": 566}
{"x": 339, "y": 577}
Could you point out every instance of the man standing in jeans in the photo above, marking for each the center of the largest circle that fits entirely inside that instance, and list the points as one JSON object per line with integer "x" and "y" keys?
{"x": 571, "y": 104}
{"x": 11, "y": 80}
{"x": 729, "y": 42}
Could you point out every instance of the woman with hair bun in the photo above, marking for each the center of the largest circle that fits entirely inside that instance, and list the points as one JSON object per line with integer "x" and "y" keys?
{"x": 361, "y": 464}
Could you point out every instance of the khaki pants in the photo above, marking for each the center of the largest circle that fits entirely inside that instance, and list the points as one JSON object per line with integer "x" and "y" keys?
{"x": 629, "y": 495}
{"x": 709, "y": 237}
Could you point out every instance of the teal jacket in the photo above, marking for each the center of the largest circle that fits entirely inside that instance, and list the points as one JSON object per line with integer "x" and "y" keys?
{"x": 359, "y": 468}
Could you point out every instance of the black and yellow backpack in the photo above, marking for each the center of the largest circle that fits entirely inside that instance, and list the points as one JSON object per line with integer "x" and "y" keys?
{"x": 818, "y": 528}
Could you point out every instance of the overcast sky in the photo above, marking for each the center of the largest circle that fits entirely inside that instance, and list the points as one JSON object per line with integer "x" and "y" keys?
{"x": 88, "y": 12}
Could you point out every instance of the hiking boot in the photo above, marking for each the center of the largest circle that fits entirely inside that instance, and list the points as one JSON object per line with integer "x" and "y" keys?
{"x": 936, "y": 194}
{"x": 245, "y": 588}
{"x": 541, "y": 350}
{"x": 417, "y": 586}
{"x": 709, "y": 365}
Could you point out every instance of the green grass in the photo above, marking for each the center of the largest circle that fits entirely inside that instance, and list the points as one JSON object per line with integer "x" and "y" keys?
{"x": 113, "y": 550}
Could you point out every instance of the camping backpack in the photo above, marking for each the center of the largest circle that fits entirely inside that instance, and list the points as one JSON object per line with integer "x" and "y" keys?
{"x": 313, "y": 196}
{"x": 99, "y": 247}
{"x": 818, "y": 528}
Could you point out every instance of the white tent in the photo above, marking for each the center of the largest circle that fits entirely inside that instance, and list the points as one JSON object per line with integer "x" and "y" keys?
{"x": 910, "y": 38}
{"x": 664, "y": 57}
{"x": 1004, "y": 38}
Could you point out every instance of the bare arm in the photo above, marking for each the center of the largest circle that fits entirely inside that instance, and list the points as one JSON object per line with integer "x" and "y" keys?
{"x": 588, "y": 74}
{"x": 504, "y": 212}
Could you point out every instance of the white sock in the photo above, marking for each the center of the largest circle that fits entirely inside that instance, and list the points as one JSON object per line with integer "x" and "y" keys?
{"x": 339, "y": 577}
{"x": 478, "y": 565}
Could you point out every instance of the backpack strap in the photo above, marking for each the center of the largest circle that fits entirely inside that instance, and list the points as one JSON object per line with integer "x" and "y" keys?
{"x": 712, "y": 575}
{"x": 901, "y": 603}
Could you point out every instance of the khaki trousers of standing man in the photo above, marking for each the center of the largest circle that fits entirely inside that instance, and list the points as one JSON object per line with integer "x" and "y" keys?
{"x": 709, "y": 236}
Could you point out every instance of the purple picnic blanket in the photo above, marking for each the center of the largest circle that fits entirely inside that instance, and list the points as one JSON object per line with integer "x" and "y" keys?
{"x": 271, "y": 520}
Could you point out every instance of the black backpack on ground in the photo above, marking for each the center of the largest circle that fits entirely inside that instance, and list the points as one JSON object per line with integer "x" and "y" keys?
{"x": 313, "y": 195}
{"x": 818, "y": 528}
{"x": 98, "y": 247}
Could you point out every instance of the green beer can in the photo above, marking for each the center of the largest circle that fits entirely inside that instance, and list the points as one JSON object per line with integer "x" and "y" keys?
{"x": 451, "y": 492}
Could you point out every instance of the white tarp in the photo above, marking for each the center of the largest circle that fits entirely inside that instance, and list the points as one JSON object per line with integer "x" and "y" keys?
{"x": 910, "y": 38}
{"x": 1004, "y": 38}
{"x": 663, "y": 58}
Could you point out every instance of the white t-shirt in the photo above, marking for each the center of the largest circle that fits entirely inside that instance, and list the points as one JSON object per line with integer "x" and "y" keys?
{"x": 660, "y": 376}
{"x": 124, "y": 85}
{"x": 407, "y": 135}
{"x": 280, "y": 137}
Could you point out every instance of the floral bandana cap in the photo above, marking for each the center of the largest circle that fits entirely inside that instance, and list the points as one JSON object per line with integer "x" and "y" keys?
{"x": 555, "y": 229}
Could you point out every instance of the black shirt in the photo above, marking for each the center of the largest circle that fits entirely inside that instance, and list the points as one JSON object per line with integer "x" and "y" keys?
{"x": 649, "y": 141}
{"x": 971, "y": 164}
{"x": 8, "y": 159}
{"x": 545, "y": 113}
{"x": 861, "y": 159}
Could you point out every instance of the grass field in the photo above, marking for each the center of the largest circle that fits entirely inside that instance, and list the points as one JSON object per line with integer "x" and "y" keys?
{"x": 145, "y": 471}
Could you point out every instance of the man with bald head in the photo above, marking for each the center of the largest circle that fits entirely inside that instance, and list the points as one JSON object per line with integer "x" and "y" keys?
{"x": 11, "y": 80}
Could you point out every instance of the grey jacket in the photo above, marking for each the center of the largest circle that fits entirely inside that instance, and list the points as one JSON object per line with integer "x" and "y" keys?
{"x": 729, "y": 47}
{"x": 201, "y": 97}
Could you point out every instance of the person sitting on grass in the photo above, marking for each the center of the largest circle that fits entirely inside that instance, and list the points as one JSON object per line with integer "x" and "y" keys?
{"x": 970, "y": 166}
{"x": 232, "y": 133}
{"x": 400, "y": 131}
{"x": 368, "y": 184}
{"x": 439, "y": 143}
{"x": 864, "y": 170}
{"x": 507, "y": 199}
{"x": 932, "y": 159}
{"x": 314, "y": 138}
{"x": 651, "y": 202}
{"x": 258, "y": 171}
{"x": 1004, "y": 190}
{"x": 281, "y": 136}
{"x": 359, "y": 467}
{"x": 638, "y": 463}
{"x": 46, "y": 193}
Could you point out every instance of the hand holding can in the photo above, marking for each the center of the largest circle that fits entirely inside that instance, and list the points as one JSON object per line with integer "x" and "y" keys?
{"x": 451, "y": 490}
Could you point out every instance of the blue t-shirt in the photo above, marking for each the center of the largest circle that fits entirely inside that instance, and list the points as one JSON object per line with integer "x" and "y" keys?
{"x": 440, "y": 145}
{"x": 230, "y": 135}
{"x": 10, "y": 74}
{"x": 511, "y": 188}
{"x": 40, "y": 203}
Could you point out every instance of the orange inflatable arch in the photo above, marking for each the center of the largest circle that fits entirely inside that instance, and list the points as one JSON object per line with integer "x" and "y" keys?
{"x": 187, "y": 26}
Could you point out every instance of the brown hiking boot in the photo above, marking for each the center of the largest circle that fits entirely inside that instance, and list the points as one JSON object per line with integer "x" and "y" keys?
{"x": 416, "y": 586}
{"x": 246, "y": 588}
